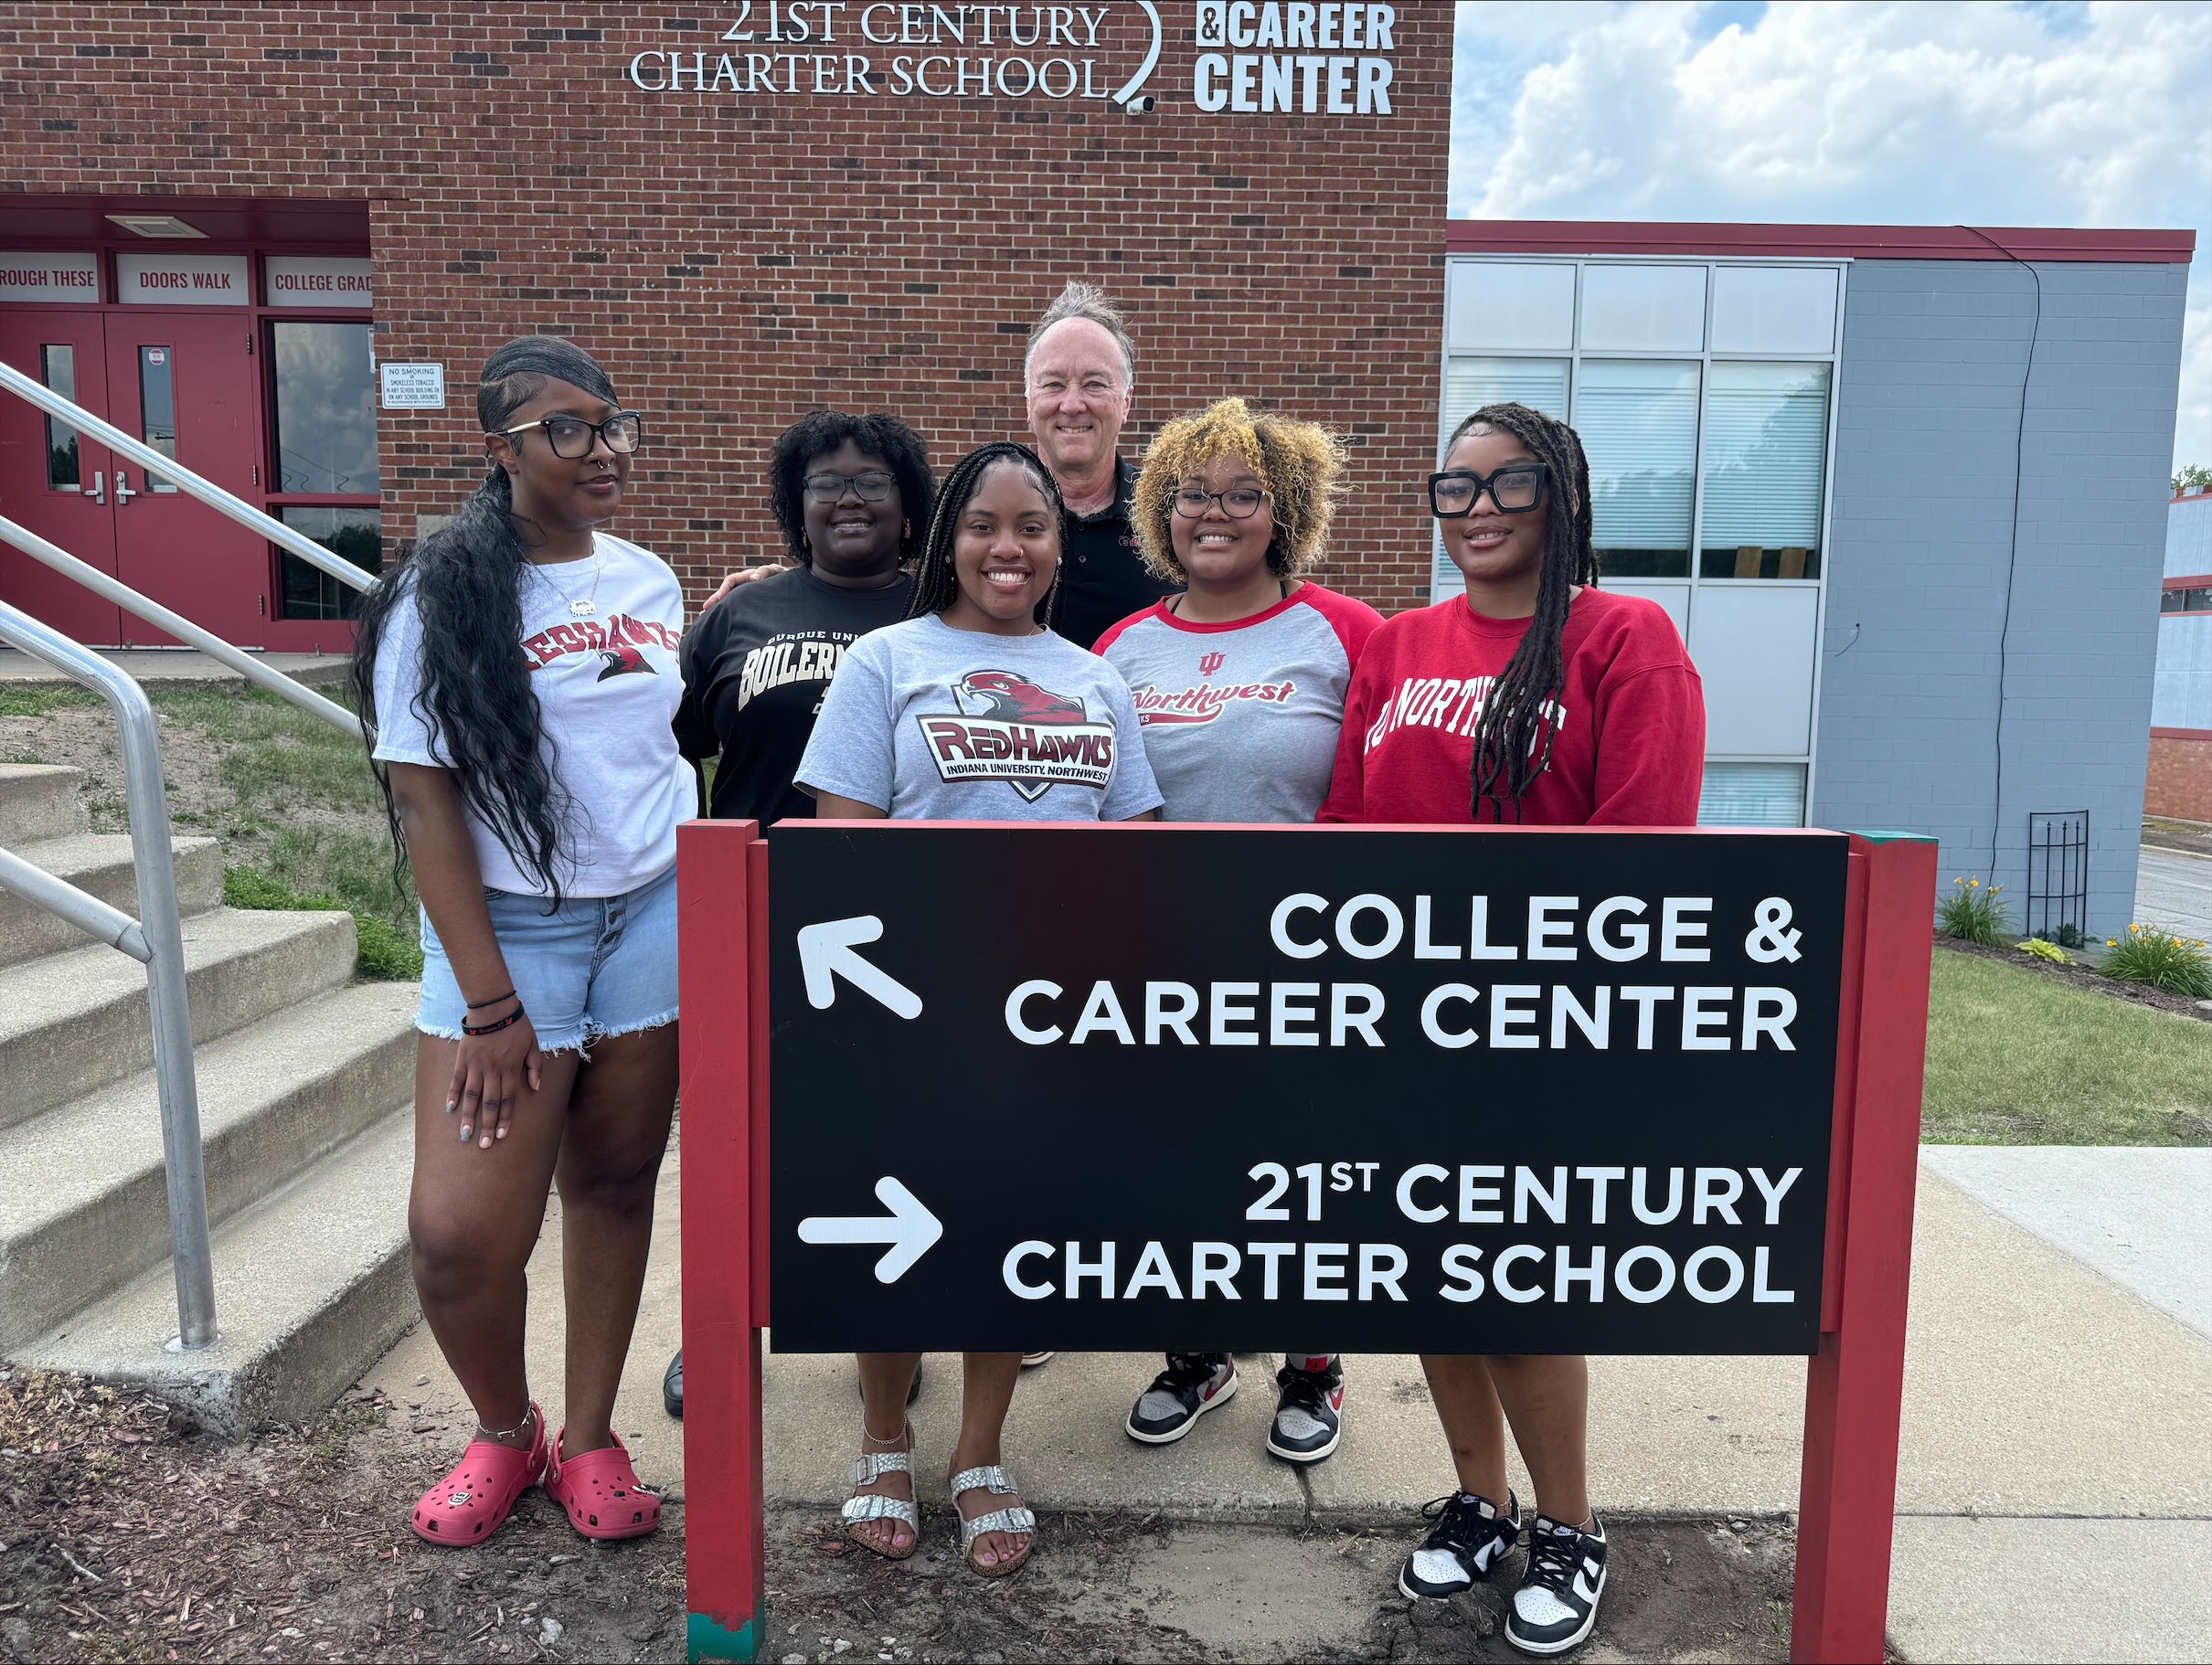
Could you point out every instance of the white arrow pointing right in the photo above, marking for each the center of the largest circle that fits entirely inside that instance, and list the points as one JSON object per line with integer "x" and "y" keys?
{"x": 826, "y": 951}
{"x": 910, "y": 1229}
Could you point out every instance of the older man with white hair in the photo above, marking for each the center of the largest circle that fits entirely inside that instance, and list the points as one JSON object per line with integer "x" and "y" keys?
{"x": 1077, "y": 376}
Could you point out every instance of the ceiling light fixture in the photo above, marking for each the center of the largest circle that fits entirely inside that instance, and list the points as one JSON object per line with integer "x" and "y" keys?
{"x": 156, "y": 224}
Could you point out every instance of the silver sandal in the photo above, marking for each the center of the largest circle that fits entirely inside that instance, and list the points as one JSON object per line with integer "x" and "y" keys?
{"x": 1020, "y": 1518}
{"x": 868, "y": 1468}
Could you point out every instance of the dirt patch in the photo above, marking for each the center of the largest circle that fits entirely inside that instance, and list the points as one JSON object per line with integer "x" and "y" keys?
{"x": 128, "y": 1538}
{"x": 2082, "y": 977}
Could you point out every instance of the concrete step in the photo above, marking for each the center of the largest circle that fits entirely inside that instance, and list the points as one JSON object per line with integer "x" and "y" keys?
{"x": 311, "y": 1284}
{"x": 38, "y": 801}
{"x": 73, "y": 1023}
{"x": 100, "y": 862}
{"x": 83, "y": 1206}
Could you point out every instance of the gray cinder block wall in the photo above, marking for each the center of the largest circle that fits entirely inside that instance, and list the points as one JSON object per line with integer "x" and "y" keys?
{"x": 1921, "y": 536}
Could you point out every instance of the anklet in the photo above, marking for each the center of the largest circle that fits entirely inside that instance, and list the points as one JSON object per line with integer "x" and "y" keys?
{"x": 504, "y": 1435}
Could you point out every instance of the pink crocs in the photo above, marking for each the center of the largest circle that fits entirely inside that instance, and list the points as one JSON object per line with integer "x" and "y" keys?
{"x": 601, "y": 1491}
{"x": 467, "y": 1506}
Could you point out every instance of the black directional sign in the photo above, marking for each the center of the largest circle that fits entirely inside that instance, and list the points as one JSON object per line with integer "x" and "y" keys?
{"x": 1159, "y": 1086}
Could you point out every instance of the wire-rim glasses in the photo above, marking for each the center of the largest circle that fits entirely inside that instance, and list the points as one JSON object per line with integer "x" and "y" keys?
{"x": 1516, "y": 489}
{"x": 572, "y": 437}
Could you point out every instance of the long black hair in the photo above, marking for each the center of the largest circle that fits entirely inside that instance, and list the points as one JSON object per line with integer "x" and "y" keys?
{"x": 474, "y": 690}
{"x": 1513, "y": 736}
{"x": 936, "y": 583}
{"x": 821, "y": 432}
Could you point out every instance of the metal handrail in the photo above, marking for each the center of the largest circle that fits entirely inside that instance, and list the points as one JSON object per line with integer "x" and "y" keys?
{"x": 28, "y": 387}
{"x": 161, "y": 934}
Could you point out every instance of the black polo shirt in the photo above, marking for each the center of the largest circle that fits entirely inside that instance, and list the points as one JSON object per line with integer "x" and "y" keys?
{"x": 1104, "y": 579}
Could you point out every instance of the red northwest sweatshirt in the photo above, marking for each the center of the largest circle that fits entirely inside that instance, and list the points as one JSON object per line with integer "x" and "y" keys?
{"x": 1631, "y": 715}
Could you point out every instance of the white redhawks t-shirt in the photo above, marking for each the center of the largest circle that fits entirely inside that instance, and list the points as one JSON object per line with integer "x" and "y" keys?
{"x": 607, "y": 687}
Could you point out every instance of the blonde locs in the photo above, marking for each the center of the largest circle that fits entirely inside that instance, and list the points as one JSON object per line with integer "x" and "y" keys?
{"x": 1302, "y": 464}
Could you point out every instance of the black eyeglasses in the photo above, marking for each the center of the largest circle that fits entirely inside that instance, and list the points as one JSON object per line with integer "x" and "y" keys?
{"x": 871, "y": 487}
{"x": 572, "y": 437}
{"x": 1240, "y": 504}
{"x": 1516, "y": 489}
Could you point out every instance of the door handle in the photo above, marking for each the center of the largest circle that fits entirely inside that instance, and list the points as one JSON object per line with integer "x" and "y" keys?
{"x": 123, "y": 494}
{"x": 99, "y": 493}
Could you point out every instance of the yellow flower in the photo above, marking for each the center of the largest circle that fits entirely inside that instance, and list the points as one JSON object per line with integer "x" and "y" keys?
{"x": 2111, "y": 942}
{"x": 1974, "y": 884}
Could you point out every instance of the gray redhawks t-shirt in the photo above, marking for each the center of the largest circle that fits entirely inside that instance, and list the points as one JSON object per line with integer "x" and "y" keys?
{"x": 1240, "y": 719}
{"x": 935, "y": 724}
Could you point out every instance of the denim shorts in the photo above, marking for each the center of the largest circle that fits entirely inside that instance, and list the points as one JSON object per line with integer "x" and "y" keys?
{"x": 596, "y": 966}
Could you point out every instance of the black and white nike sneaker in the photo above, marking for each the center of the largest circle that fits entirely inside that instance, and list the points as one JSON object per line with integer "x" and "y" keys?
{"x": 1470, "y": 1538}
{"x": 1557, "y": 1601}
{"x": 1192, "y": 1385}
{"x": 1309, "y": 1413}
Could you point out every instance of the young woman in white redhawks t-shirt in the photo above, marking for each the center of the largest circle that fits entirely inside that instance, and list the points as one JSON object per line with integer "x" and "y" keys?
{"x": 521, "y": 673}
{"x": 1240, "y": 683}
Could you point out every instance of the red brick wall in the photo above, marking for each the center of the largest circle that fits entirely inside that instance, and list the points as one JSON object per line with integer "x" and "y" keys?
{"x": 736, "y": 262}
{"x": 2180, "y": 781}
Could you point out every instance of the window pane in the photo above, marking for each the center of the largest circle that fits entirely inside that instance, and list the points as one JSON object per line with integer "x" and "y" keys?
{"x": 1503, "y": 303}
{"x": 1638, "y": 420}
{"x": 1752, "y": 795}
{"x": 157, "y": 408}
{"x": 1774, "y": 309}
{"x": 2199, "y": 601}
{"x": 1766, "y": 446}
{"x": 355, "y": 535}
{"x": 326, "y": 408}
{"x": 1471, "y": 383}
{"x": 1644, "y": 308}
{"x": 57, "y": 370}
{"x": 2170, "y": 600}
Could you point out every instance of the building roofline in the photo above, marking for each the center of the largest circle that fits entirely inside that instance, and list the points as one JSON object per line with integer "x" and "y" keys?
{"x": 1701, "y": 240}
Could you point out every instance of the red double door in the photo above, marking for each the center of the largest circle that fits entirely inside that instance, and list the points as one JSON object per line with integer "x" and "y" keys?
{"x": 184, "y": 383}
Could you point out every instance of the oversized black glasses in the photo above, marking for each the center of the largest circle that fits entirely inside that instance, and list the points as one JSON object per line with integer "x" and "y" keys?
{"x": 1241, "y": 503}
{"x": 871, "y": 487}
{"x": 571, "y": 437}
{"x": 1516, "y": 488}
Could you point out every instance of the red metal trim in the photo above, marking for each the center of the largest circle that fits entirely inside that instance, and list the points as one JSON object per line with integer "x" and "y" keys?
{"x": 1702, "y": 239}
{"x": 756, "y": 950}
{"x": 1846, "y": 1088}
{"x": 2195, "y": 581}
{"x": 1855, "y": 1384}
{"x": 2181, "y": 734}
{"x": 2196, "y": 496}
{"x": 725, "y": 1531}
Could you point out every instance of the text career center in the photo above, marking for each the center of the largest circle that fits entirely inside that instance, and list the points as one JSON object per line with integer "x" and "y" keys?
{"x": 1255, "y": 57}
{"x": 1556, "y": 1079}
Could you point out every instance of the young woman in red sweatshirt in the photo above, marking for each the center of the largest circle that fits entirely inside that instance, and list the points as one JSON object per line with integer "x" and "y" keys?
{"x": 1538, "y": 699}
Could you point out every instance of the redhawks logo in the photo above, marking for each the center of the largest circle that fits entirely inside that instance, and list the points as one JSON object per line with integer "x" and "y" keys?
{"x": 623, "y": 661}
{"x": 617, "y": 641}
{"x": 1210, "y": 662}
{"x": 1010, "y": 729}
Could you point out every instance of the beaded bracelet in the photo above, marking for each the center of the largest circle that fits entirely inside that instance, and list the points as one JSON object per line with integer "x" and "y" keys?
{"x": 512, "y": 1018}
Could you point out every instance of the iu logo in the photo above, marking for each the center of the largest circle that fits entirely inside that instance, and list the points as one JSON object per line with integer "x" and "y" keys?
{"x": 1209, "y": 663}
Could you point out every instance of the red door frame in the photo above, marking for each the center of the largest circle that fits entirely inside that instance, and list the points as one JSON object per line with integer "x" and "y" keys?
{"x": 77, "y": 523}
{"x": 1853, "y": 1384}
{"x": 274, "y": 634}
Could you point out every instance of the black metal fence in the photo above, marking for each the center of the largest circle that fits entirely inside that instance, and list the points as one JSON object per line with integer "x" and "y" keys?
{"x": 2058, "y": 875}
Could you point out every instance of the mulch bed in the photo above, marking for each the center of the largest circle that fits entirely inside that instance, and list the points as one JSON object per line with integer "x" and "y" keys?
{"x": 2082, "y": 977}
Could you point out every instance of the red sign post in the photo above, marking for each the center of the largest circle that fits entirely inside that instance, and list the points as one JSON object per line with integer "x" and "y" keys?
{"x": 1855, "y": 1381}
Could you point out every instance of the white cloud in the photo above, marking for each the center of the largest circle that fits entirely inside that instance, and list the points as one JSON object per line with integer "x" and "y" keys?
{"x": 1987, "y": 114}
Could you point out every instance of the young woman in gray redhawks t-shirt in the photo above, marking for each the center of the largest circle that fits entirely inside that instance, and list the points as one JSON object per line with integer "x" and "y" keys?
{"x": 971, "y": 710}
{"x": 1240, "y": 684}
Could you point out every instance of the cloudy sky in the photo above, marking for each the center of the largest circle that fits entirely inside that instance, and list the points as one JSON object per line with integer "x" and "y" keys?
{"x": 2050, "y": 113}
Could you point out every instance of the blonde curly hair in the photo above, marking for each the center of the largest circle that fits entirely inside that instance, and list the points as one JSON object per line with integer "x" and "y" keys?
{"x": 1299, "y": 463}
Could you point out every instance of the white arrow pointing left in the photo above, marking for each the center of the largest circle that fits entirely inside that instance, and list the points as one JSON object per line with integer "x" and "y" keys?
{"x": 826, "y": 951}
{"x": 909, "y": 1229}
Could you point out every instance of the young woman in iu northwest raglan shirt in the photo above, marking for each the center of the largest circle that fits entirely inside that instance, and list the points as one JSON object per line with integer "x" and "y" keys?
{"x": 1535, "y": 698}
{"x": 971, "y": 710}
{"x": 520, "y": 671}
{"x": 1241, "y": 684}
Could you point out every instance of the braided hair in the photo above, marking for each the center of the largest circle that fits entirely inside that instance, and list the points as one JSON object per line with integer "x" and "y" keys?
{"x": 936, "y": 581}
{"x": 474, "y": 693}
{"x": 823, "y": 431}
{"x": 1513, "y": 735}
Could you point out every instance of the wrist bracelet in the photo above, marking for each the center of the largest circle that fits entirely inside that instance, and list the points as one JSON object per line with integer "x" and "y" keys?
{"x": 480, "y": 1005}
{"x": 512, "y": 1018}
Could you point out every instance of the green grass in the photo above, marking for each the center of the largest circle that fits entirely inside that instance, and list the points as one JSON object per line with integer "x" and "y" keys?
{"x": 36, "y": 699}
{"x": 274, "y": 754}
{"x": 2019, "y": 1058}
{"x": 383, "y": 951}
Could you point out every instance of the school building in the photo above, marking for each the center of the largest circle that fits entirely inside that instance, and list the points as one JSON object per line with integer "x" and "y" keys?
{"x": 1901, "y": 487}
{"x": 2180, "y": 776}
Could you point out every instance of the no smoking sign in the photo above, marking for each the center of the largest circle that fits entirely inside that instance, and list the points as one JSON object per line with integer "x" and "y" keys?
{"x": 1147, "y": 1086}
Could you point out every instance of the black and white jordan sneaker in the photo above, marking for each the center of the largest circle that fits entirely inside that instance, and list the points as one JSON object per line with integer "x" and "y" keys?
{"x": 1309, "y": 1412}
{"x": 1192, "y": 1385}
{"x": 1470, "y": 1538}
{"x": 1557, "y": 1601}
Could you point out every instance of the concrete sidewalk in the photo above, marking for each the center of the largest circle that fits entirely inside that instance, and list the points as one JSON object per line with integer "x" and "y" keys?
{"x": 2056, "y": 1448}
{"x": 166, "y": 667}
